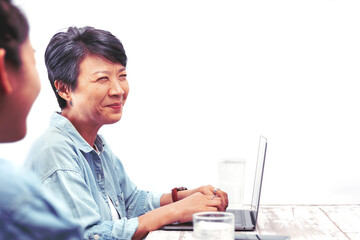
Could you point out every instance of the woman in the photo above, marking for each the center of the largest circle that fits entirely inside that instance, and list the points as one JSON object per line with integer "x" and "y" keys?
{"x": 87, "y": 71}
{"x": 25, "y": 211}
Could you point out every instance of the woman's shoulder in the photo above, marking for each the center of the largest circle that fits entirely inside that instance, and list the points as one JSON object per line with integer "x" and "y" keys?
{"x": 51, "y": 152}
{"x": 60, "y": 133}
{"x": 53, "y": 142}
{"x": 52, "y": 135}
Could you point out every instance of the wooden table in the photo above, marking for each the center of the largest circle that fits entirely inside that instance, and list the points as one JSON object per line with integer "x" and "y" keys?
{"x": 300, "y": 222}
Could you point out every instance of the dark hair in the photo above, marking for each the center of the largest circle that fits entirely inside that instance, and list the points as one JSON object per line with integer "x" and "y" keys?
{"x": 66, "y": 50}
{"x": 14, "y": 30}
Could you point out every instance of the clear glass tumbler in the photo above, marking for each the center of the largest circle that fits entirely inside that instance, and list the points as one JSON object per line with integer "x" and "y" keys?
{"x": 214, "y": 226}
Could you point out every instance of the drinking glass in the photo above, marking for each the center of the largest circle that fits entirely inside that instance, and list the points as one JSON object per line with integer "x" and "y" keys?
{"x": 232, "y": 180}
{"x": 214, "y": 226}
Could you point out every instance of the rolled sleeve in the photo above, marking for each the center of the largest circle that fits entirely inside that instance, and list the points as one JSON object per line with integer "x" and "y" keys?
{"x": 153, "y": 200}
{"x": 126, "y": 226}
{"x": 117, "y": 230}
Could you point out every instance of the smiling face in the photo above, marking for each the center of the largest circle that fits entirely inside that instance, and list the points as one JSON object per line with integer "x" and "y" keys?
{"x": 100, "y": 94}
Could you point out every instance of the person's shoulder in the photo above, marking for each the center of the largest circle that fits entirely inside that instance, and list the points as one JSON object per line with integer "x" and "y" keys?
{"x": 52, "y": 137}
{"x": 18, "y": 181}
{"x": 52, "y": 143}
{"x": 51, "y": 152}
{"x": 56, "y": 135}
{"x": 7, "y": 169}
{"x": 24, "y": 204}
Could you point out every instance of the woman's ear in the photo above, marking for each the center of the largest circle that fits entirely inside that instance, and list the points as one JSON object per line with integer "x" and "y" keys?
{"x": 5, "y": 86}
{"x": 62, "y": 90}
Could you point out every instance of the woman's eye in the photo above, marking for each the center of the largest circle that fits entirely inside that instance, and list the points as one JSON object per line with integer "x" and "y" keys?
{"x": 122, "y": 76}
{"x": 102, "y": 79}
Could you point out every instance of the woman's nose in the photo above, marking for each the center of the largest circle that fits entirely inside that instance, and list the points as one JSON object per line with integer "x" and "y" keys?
{"x": 116, "y": 88}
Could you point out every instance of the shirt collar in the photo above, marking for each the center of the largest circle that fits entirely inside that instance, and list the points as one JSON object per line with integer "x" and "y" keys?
{"x": 66, "y": 127}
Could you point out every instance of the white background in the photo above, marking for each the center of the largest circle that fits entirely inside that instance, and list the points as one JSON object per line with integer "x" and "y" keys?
{"x": 207, "y": 78}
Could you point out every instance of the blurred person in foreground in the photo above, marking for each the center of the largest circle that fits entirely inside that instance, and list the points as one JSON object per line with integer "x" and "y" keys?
{"x": 87, "y": 72}
{"x": 25, "y": 211}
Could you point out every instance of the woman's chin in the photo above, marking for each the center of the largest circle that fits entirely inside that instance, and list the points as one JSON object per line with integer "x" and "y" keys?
{"x": 113, "y": 120}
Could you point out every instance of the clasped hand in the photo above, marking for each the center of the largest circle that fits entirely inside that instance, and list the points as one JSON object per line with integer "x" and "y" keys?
{"x": 202, "y": 199}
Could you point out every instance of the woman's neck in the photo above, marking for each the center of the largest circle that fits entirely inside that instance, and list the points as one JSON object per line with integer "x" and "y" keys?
{"x": 86, "y": 129}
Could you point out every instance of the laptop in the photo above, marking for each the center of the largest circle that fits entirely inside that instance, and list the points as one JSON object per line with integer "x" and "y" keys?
{"x": 245, "y": 219}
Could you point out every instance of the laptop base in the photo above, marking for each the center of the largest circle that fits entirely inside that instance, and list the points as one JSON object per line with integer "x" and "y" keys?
{"x": 243, "y": 222}
{"x": 241, "y": 236}
{"x": 243, "y": 219}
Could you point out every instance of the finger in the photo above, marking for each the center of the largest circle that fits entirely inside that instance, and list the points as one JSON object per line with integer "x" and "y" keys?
{"x": 209, "y": 190}
{"x": 227, "y": 200}
{"x": 212, "y": 209}
{"x": 212, "y": 197}
{"x": 224, "y": 198}
{"x": 216, "y": 201}
{"x": 223, "y": 204}
{"x": 221, "y": 207}
{"x": 215, "y": 190}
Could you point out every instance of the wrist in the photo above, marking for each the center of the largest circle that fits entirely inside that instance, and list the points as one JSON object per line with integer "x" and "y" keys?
{"x": 175, "y": 195}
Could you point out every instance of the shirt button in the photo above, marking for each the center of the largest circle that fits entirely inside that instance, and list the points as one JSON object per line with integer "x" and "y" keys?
{"x": 96, "y": 237}
{"x": 117, "y": 203}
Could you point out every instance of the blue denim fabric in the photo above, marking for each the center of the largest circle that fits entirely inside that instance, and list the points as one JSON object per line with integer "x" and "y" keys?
{"x": 26, "y": 212}
{"x": 75, "y": 173}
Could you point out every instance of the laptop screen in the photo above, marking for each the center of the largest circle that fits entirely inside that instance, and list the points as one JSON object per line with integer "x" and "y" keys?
{"x": 258, "y": 176}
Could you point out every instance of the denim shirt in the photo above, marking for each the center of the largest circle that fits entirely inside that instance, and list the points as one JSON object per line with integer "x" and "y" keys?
{"x": 26, "y": 212}
{"x": 75, "y": 173}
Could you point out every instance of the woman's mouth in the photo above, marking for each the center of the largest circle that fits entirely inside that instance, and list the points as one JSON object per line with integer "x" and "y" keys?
{"x": 115, "y": 106}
